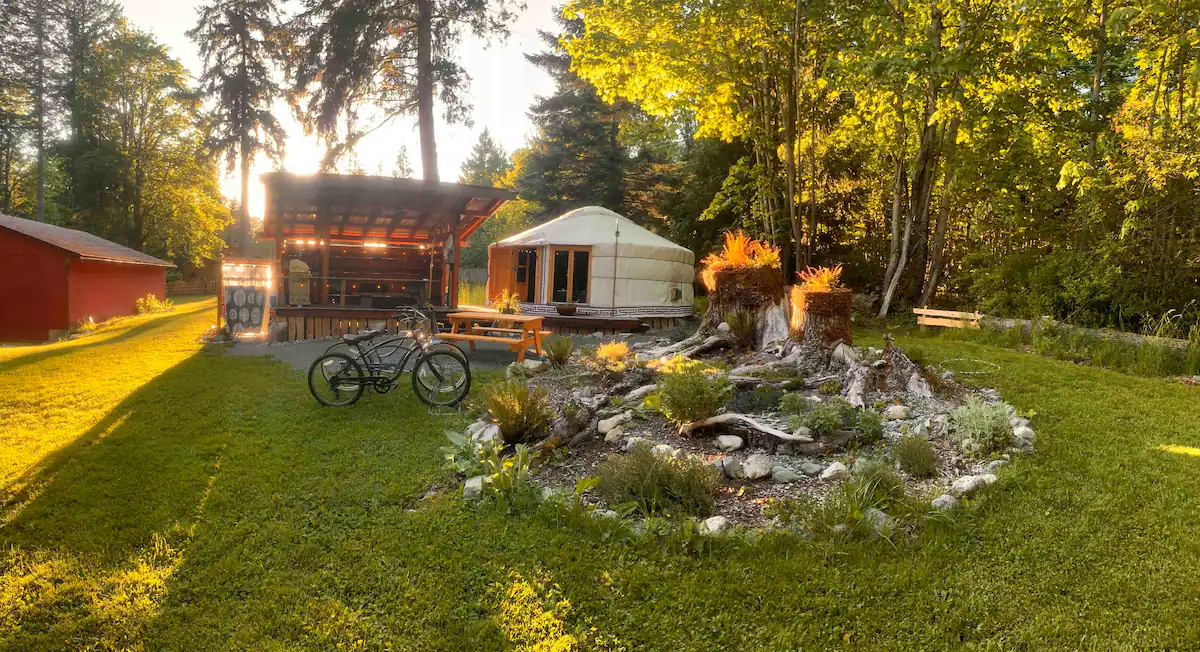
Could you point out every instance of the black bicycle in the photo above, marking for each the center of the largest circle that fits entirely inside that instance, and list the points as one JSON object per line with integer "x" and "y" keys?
{"x": 441, "y": 373}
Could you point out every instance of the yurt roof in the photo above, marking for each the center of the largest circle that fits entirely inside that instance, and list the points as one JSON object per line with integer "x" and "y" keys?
{"x": 589, "y": 225}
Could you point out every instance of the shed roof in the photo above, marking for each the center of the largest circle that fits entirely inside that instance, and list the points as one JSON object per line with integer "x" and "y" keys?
{"x": 363, "y": 207}
{"x": 81, "y": 243}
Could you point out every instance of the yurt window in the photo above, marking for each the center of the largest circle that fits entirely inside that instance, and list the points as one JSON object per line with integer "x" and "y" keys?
{"x": 570, "y": 275}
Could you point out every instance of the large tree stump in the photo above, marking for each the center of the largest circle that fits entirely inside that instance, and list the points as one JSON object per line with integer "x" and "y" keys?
{"x": 821, "y": 318}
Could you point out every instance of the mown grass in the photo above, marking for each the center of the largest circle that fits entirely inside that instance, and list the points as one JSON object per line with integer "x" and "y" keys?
{"x": 162, "y": 496}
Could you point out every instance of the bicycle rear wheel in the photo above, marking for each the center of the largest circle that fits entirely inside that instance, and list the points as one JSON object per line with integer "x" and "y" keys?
{"x": 441, "y": 378}
{"x": 336, "y": 380}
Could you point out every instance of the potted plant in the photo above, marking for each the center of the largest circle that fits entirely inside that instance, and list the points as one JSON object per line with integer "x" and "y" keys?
{"x": 566, "y": 309}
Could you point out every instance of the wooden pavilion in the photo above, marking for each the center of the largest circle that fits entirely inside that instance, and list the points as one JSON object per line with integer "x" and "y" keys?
{"x": 350, "y": 249}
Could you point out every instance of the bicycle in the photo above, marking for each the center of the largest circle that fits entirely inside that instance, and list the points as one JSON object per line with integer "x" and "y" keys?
{"x": 441, "y": 373}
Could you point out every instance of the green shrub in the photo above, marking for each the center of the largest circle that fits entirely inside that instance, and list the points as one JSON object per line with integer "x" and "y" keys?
{"x": 692, "y": 393}
{"x": 659, "y": 485}
{"x": 507, "y": 478}
{"x": 742, "y": 326}
{"x": 700, "y": 305}
{"x": 795, "y": 404}
{"x": 828, "y": 416}
{"x": 521, "y": 413}
{"x": 879, "y": 483}
{"x": 868, "y": 429}
{"x": 982, "y": 423}
{"x": 558, "y": 349}
{"x": 841, "y": 512}
{"x": 917, "y": 355}
{"x": 151, "y": 304}
{"x": 915, "y": 455}
{"x": 831, "y": 386}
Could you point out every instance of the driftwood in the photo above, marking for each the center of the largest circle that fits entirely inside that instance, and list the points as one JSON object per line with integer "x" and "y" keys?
{"x": 671, "y": 349}
{"x": 744, "y": 422}
{"x": 640, "y": 393}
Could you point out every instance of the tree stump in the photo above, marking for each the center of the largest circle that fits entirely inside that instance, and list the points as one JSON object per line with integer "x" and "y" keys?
{"x": 821, "y": 318}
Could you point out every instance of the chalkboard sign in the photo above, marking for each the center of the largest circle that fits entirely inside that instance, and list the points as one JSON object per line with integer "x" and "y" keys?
{"x": 244, "y": 308}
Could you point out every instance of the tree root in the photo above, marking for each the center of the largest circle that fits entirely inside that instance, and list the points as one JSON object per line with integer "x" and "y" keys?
{"x": 744, "y": 422}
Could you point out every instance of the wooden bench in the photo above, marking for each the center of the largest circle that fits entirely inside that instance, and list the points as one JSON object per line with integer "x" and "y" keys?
{"x": 485, "y": 329}
{"x": 947, "y": 318}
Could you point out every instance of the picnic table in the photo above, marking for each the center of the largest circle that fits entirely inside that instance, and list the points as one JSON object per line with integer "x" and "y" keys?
{"x": 519, "y": 332}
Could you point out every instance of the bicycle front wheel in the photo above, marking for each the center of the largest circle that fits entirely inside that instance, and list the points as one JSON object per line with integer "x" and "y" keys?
{"x": 441, "y": 378}
{"x": 336, "y": 380}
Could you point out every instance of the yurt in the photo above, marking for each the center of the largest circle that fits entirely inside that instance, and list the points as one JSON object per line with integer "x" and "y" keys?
{"x": 597, "y": 261}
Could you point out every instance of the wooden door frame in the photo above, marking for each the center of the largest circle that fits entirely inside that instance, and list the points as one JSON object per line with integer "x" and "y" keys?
{"x": 587, "y": 291}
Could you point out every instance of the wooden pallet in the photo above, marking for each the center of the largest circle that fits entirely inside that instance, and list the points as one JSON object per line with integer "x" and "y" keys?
{"x": 947, "y": 318}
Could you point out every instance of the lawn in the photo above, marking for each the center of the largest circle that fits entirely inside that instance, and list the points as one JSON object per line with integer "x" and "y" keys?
{"x": 159, "y": 495}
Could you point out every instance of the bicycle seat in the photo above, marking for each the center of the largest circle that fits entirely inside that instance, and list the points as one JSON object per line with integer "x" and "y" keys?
{"x": 363, "y": 336}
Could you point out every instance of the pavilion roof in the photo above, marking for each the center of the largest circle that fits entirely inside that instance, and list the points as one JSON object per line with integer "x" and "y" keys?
{"x": 370, "y": 208}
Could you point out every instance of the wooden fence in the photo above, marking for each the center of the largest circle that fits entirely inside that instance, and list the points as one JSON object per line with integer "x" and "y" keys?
{"x": 198, "y": 286}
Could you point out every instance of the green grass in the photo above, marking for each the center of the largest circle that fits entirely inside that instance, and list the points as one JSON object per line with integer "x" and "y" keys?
{"x": 472, "y": 294}
{"x": 161, "y": 496}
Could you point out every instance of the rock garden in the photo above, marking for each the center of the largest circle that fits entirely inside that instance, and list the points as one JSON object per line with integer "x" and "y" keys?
{"x": 767, "y": 417}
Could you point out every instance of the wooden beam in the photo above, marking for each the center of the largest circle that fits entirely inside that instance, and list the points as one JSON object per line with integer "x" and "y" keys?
{"x": 457, "y": 260}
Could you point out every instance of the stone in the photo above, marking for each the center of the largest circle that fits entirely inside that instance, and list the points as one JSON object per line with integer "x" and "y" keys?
{"x": 878, "y": 520}
{"x": 474, "y": 428}
{"x": 666, "y": 450}
{"x": 925, "y": 428}
{"x": 633, "y": 443}
{"x": 968, "y": 484}
{"x": 1017, "y": 422}
{"x": 516, "y": 371}
{"x": 757, "y": 466}
{"x": 803, "y": 431}
{"x": 730, "y": 443}
{"x": 970, "y": 446}
{"x": 534, "y": 365}
{"x": 896, "y": 412}
{"x": 944, "y": 503}
{"x": 473, "y": 488}
{"x": 996, "y": 465}
{"x": 1024, "y": 432}
{"x": 835, "y": 471}
{"x": 614, "y": 435}
{"x": 635, "y": 397}
{"x": 784, "y": 475}
{"x": 608, "y": 424}
{"x": 724, "y": 327}
{"x": 811, "y": 469}
{"x": 604, "y": 514}
{"x": 732, "y": 468}
{"x": 598, "y": 334}
{"x": 714, "y": 525}
{"x": 488, "y": 435}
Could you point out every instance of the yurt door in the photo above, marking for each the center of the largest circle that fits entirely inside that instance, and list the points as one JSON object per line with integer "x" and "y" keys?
{"x": 526, "y": 282}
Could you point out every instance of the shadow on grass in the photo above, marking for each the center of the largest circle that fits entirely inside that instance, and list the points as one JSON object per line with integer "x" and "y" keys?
{"x": 49, "y": 351}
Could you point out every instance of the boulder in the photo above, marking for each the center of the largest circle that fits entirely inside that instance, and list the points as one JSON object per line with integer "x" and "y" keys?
{"x": 604, "y": 514}
{"x": 608, "y": 424}
{"x": 784, "y": 475}
{"x": 968, "y": 484}
{"x": 633, "y": 443}
{"x": 896, "y": 412}
{"x": 757, "y": 466}
{"x": 1024, "y": 432}
{"x": 666, "y": 450}
{"x": 878, "y": 520}
{"x": 714, "y": 525}
{"x": 729, "y": 443}
{"x": 473, "y": 488}
{"x": 534, "y": 365}
{"x": 614, "y": 435}
{"x": 732, "y": 468}
{"x": 724, "y": 327}
{"x": 995, "y": 465}
{"x": 489, "y": 434}
{"x": 944, "y": 503}
{"x": 835, "y": 471}
{"x": 811, "y": 469}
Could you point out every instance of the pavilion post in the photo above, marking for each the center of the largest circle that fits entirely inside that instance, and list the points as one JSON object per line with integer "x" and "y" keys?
{"x": 324, "y": 235}
{"x": 457, "y": 258}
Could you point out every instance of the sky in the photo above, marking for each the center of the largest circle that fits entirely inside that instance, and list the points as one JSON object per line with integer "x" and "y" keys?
{"x": 503, "y": 85}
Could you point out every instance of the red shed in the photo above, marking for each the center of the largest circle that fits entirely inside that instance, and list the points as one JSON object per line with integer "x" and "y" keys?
{"x": 51, "y": 278}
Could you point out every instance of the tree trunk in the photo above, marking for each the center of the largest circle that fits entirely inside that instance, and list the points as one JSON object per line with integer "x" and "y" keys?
{"x": 425, "y": 116}
{"x": 938, "y": 246}
{"x": 1097, "y": 83}
{"x": 139, "y": 227}
{"x": 40, "y": 106}
{"x": 812, "y": 179}
{"x": 245, "y": 239}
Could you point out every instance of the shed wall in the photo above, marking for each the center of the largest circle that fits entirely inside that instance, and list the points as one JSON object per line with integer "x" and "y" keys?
{"x": 33, "y": 288}
{"x": 103, "y": 290}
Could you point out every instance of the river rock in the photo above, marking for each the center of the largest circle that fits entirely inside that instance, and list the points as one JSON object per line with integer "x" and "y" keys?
{"x": 606, "y": 425}
{"x": 835, "y": 471}
{"x": 968, "y": 484}
{"x": 473, "y": 488}
{"x": 896, "y": 412}
{"x": 666, "y": 450}
{"x": 714, "y": 525}
{"x": 633, "y": 442}
{"x": 811, "y": 469}
{"x": 878, "y": 520}
{"x": 614, "y": 435}
{"x": 757, "y": 466}
{"x": 729, "y": 443}
{"x": 732, "y": 468}
{"x": 944, "y": 503}
{"x": 784, "y": 475}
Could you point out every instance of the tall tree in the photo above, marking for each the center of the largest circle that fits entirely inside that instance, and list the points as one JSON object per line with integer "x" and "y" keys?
{"x": 486, "y": 163}
{"x": 393, "y": 55}
{"x": 403, "y": 168}
{"x": 238, "y": 42}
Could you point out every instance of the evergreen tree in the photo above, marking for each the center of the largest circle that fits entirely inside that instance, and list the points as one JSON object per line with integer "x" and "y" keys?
{"x": 394, "y": 54}
{"x": 238, "y": 41}
{"x": 404, "y": 168}
{"x": 487, "y": 162}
